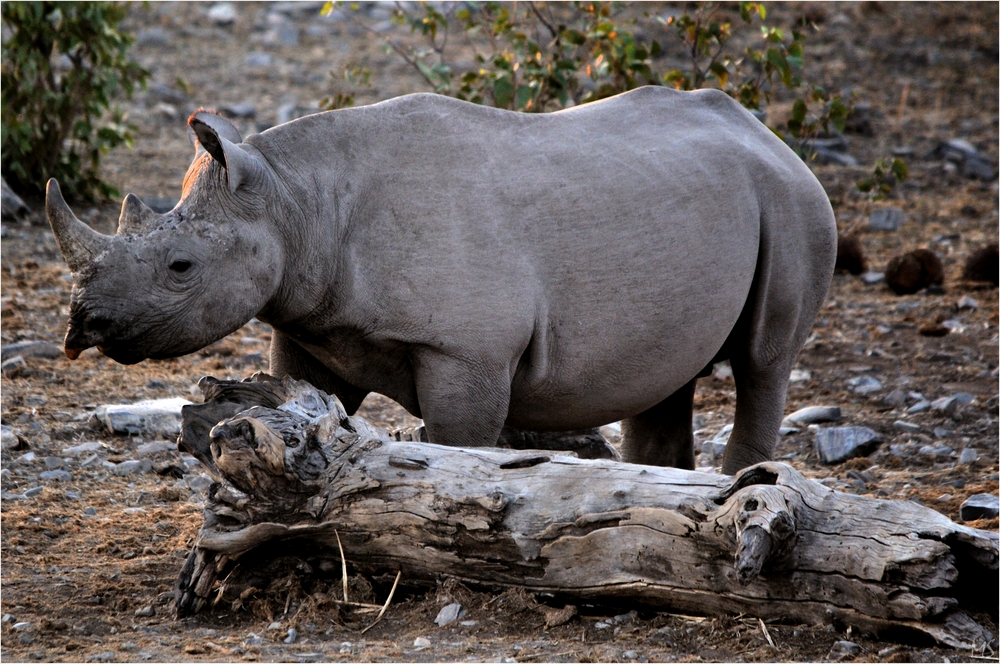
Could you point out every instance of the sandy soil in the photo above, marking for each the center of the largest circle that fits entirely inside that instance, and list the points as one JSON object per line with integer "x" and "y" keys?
{"x": 89, "y": 563}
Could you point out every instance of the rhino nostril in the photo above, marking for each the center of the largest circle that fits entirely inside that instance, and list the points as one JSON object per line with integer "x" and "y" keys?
{"x": 98, "y": 324}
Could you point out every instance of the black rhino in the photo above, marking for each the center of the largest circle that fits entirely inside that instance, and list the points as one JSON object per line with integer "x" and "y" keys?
{"x": 484, "y": 268}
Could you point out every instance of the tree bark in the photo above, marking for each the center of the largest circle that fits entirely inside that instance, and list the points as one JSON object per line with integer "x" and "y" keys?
{"x": 290, "y": 465}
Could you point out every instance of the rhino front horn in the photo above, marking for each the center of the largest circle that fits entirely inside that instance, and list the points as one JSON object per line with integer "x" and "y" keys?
{"x": 77, "y": 241}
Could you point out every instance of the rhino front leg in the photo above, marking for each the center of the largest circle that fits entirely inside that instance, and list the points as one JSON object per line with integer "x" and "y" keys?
{"x": 463, "y": 404}
{"x": 662, "y": 436}
{"x": 290, "y": 359}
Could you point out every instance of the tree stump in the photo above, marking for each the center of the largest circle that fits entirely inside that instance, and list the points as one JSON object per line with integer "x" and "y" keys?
{"x": 290, "y": 465}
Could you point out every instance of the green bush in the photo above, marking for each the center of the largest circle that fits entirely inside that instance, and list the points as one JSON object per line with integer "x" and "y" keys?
{"x": 543, "y": 56}
{"x": 63, "y": 64}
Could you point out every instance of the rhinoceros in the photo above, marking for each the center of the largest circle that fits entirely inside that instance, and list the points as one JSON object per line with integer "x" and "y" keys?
{"x": 484, "y": 268}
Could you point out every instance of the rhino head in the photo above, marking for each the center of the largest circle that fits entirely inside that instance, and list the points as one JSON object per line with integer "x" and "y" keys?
{"x": 169, "y": 284}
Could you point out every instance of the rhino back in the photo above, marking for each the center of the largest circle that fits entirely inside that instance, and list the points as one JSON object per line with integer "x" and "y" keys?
{"x": 607, "y": 248}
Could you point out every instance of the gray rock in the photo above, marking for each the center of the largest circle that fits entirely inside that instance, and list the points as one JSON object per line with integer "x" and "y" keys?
{"x": 953, "y": 405}
{"x": 921, "y": 406}
{"x": 969, "y": 161}
{"x": 908, "y": 427}
{"x": 864, "y": 385}
{"x": 966, "y": 302}
{"x": 844, "y": 649}
{"x": 895, "y": 399}
{"x": 133, "y": 466}
{"x": 34, "y": 491}
{"x": 449, "y": 614}
{"x": 244, "y": 109}
{"x": 421, "y": 642}
{"x": 258, "y": 60}
{"x": 107, "y": 656}
{"x": 145, "y": 612}
{"x": 980, "y": 506}
{"x": 13, "y": 367}
{"x": 84, "y": 448}
{"x": 222, "y": 13}
{"x": 53, "y": 462}
{"x": 21, "y": 626}
{"x": 12, "y": 207}
{"x": 57, "y": 475}
{"x": 198, "y": 483}
{"x": 155, "y": 447}
{"x": 968, "y": 456}
{"x": 723, "y": 435}
{"x": 936, "y": 450}
{"x": 712, "y": 450}
{"x": 42, "y": 349}
{"x": 12, "y": 496}
{"x": 872, "y": 278}
{"x": 91, "y": 461}
{"x": 941, "y": 432}
{"x": 9, "y": 439}
{"x": 813, "y": 415}
{"x": 155, "y": 36}
{"x": 159, "y": 417}
{"x": 886, "y": 219}
{"x": 253, "y": 640}
{"x": 90, "y": 510}
{"x": 841, "y": 443}
{"x": 29, "y": 457}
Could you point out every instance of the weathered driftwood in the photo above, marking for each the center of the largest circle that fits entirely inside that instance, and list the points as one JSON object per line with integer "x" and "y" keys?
{"x": 768, "y": 542}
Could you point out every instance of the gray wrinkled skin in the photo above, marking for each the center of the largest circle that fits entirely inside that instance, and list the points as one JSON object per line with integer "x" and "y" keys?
{"x": 485, "y": 268}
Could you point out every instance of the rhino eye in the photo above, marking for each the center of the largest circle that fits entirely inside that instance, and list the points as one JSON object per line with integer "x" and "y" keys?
{"x": 180, "y": 266}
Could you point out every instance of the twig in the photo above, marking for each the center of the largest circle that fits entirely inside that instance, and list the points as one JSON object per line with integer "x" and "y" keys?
{"x": 343, "y": 564}
{"x": 387, "y": 600}
{"x": 355, "y": 605}
{"x": 550, "y": 656}
{"x": 222, "y": 586}
{"x": 767, "y": 635}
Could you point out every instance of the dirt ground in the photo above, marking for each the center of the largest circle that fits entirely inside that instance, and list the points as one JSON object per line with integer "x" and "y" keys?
{"x": 90, "y": 561}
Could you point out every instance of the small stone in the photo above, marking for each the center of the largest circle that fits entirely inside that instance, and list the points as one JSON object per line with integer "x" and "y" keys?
{"x": 449, "y": 614}
{"x": 864, "y": 385}
{"x": 222, "y": 13}
{"x": 895, "y": 399}
{"x": 978, "y": 506}
{"x": 13, "y": 367}
{"x": 21, "y": 626}
{"x": 813, "y": 415}
{"x": 42, "y": 349}
{"x": 145, "y": 612}
{"x": 968, "y": 456}
{"x": 872, "y": 278}
{"x": 723, "y": 435}
{"x": 935, "y": 450}
{"x": 345, "y": 648}
{"x": 941, "y": 432}
{"x": 921, "y": 406}
{"x": 469, "y": 623}
{"x": 84, "y": 448}
{"x": 600, "y": 624}
{"x": 198, "y": 483}
{"x": 421, "y": 642}
{"x": 90, "y": 461}
{"x": 799, "y": 375}
{"x": 90, "y": 511}
{"x": 244, "y": 109}
{"x": 885, "y": 219}
{"x": 158, "y": 417}
{"x": 274, "y": 625}
{"x": 258, "y": 60}
{"x": 952, "y": 405}
{"x": 293, "y": 635}
{"x": 630, "y": 654}
{"x": 908, "y": 427}
{"x": 34, "y": 491}
{"x": 156, "y": 447}
{"x": 53, "y": 462}
{"x": 966, "y": 302}
{"x": 253, "y": 640}
{"x": 155, "y": 36}
{"x": 56, "y": 475}
{"x": 133, "y": 466}
{"x": 841, "y": 443}
{"x": 844, "y": 649}
{"x": 10, "y": 439}
{"x": 8, "y": 618}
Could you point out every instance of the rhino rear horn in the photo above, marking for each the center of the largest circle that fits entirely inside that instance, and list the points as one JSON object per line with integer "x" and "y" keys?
{"x": 77, "y": 241}
{"x": 220, "y": 139}
{"x": 135, "y": 214}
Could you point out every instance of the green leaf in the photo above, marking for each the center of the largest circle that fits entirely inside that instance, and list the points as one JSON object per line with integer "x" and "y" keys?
{"x": 523, "y": 97}
{"x": 574, "y": 37}
{"x": 655, "y": 49}
{"x": 799, "y": 111}
{"x": 503, "y": 90}
{"x": 900, "y": 169}
{"x": 720, "y": 71}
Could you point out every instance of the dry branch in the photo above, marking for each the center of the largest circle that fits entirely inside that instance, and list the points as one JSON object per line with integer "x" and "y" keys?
{"x": 290, "y": 465}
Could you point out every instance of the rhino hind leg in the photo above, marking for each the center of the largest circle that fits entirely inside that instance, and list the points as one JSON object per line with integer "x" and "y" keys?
{"x": 662, "y": 436}
{"x": 290, "y": 359}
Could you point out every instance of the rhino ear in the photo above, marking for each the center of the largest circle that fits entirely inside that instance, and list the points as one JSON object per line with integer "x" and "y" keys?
{"x": 220, "y": 138}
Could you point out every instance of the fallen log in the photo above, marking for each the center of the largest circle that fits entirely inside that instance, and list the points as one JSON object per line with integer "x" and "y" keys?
{"x": 290, "y": 465}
